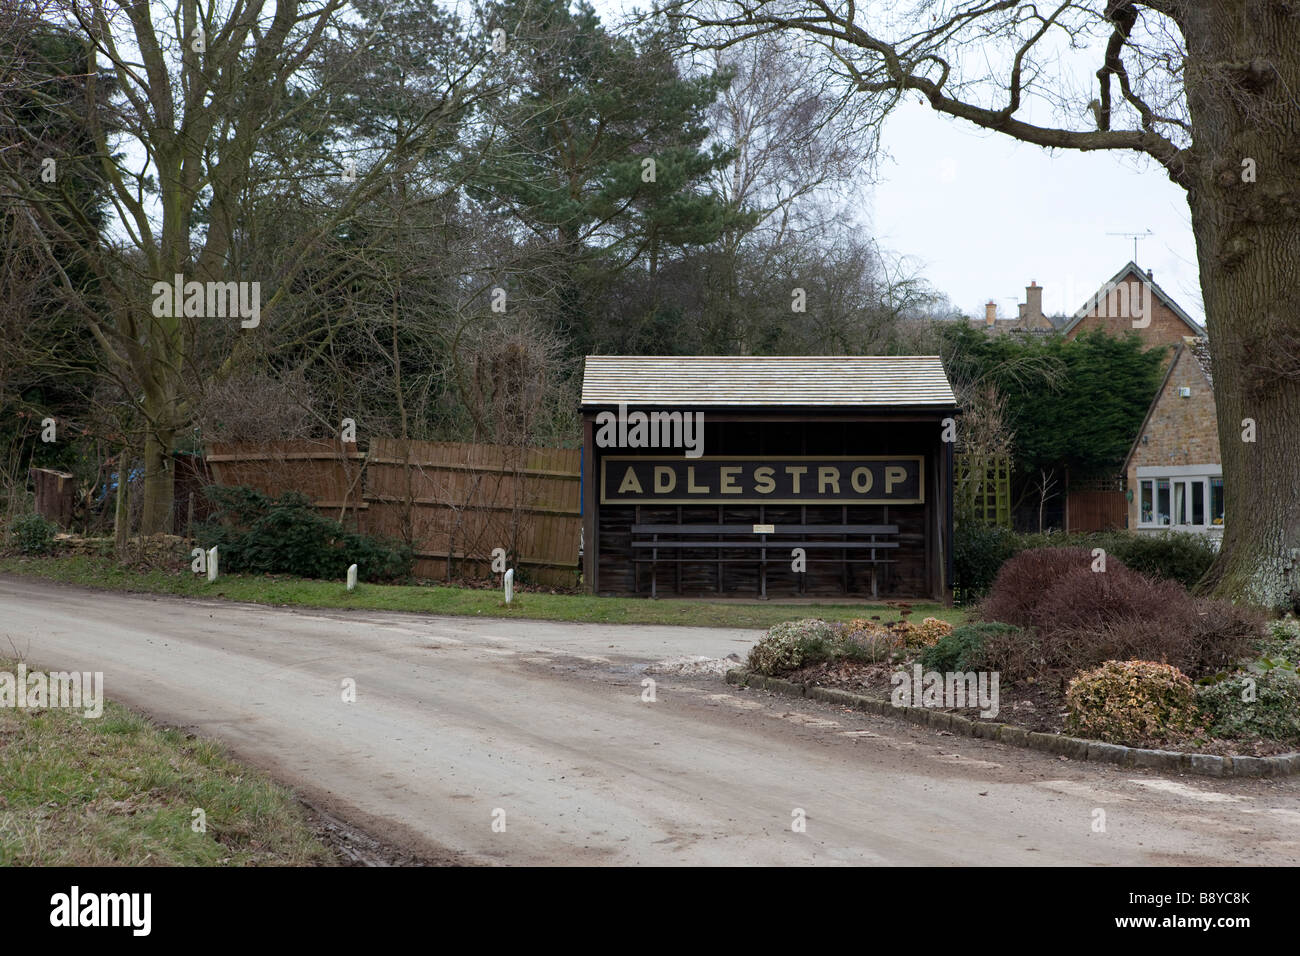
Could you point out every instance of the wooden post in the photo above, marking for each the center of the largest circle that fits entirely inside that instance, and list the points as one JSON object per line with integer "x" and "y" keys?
{"x": 55, "y": 495}
{"x": 591, "y": 528}
{"x": 122, "y": 514}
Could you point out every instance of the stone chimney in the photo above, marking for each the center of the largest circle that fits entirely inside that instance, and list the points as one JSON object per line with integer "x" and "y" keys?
{"x": 1032, "y": 312}
{"x": 990, "y": 312}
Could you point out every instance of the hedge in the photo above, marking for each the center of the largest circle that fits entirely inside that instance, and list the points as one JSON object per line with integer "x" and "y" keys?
{"x": 979, "y": 552}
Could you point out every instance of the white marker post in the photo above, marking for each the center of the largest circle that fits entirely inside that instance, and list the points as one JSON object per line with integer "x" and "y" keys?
{"x": 510, "y": 585}
{"x": 212, "y": 563}
{"x": 352, "y": 578}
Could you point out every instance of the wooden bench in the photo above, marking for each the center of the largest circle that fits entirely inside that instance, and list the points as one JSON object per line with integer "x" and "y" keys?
{"x": 782, "y": 538}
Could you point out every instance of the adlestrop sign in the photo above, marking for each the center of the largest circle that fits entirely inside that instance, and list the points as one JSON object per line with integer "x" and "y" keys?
{"x": 717, "y": 479}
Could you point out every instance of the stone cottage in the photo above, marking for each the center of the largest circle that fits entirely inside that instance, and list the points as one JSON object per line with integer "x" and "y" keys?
{"x": 1173, "y": 472}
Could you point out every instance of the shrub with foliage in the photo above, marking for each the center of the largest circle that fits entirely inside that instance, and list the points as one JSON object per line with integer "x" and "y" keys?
{"x": 979, "y": 553}
{"x": 1075, "y": 618}
{"x": 1254, "y": 705}
{"x": 33, "y": 534}
{"x": 1023, "y": 581}
{"x": 963, "y": 649}
{"x": 1082, "y": 416}
{"x": 258, "y": 534}
{"x": 1173, "y": 555}
{"x": 1282, "y": 641}
{"x": 868, "y": 641}
{"x": 792, "y": 644}
{"x": 929, "y": 632}
{"x": 868, "y": 647}
{"x": 1132, "y": 702}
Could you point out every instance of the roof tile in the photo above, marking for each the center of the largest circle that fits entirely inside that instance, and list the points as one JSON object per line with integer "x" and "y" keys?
{"x": 740, "y": 380}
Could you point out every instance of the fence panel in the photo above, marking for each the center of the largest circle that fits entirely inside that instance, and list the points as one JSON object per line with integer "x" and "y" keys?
{"x": 327, "y": 472}
{"x": 458, "y": 501}
{"x": 1097, "y": 510}
{"x": 454, "y": 501}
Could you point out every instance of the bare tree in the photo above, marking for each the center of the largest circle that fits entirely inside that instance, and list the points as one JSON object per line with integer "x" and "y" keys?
{"x": 215, "y": 106}
{"x": 1045, "y": 488}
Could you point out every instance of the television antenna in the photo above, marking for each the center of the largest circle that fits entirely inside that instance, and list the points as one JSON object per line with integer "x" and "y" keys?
{"x": 1136, "y": 237}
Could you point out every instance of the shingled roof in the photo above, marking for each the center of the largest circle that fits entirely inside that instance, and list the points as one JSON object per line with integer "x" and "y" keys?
{"x": 914, "y": 381}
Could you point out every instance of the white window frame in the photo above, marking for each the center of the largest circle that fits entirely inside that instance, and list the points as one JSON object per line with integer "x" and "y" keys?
{"x": 1180, "y": 480}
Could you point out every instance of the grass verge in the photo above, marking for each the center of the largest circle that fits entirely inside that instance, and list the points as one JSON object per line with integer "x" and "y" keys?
{"x": 118, "y": 791}
{"x": 279, "y": 590}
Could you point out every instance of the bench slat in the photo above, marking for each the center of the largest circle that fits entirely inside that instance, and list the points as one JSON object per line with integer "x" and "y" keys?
{"x": 772, "y": 545}
{"x": 755, "y": 560}
{"x": 781, "y": 529}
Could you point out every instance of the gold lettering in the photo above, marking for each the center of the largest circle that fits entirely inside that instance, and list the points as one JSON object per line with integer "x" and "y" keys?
{"x": 763, "y": 478}
{"x": 795, "y": 471}
{"x": 828, "y": 475}
{"x": 691, "y": 487}
{"x": 727, "y": 481}
{"x": 866, "y": 485}
{"x": 893, "y": 475}
{"x": 630, "y": 483}
{"x": 663, "y": 487}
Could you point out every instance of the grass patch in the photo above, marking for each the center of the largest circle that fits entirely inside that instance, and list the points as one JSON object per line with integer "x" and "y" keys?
{"x": 276, "y": 589}
{"x": 119, "y": 791}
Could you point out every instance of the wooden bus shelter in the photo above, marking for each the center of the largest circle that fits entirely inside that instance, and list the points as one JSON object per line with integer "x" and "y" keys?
{"x": 777, "y": 476}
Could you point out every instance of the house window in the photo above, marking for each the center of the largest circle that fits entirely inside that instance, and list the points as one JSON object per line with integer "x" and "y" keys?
{"x": 1180, "y": 502}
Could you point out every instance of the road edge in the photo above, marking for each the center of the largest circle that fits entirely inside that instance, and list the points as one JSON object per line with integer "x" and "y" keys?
{"x": 1210, "y": 765}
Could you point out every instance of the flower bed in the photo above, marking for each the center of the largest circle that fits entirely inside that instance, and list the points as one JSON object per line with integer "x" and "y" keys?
{"x": 1084, "y": 656}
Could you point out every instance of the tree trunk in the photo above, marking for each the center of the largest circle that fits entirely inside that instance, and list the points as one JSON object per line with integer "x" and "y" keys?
{"x": 1253, "y": 321}
{"x": 1242, "y": 76}
{"x": 159, "y": 486}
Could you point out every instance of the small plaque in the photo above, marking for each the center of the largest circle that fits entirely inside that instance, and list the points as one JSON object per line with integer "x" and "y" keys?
{"x": 764, "y": 529}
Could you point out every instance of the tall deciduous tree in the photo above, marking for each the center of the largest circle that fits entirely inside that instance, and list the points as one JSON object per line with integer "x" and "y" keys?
{"x": 204, "y": 93}
{"x": 1207, "y": 90}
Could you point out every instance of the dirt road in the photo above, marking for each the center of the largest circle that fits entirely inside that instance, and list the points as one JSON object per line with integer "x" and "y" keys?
{"x": 460, "y": 722}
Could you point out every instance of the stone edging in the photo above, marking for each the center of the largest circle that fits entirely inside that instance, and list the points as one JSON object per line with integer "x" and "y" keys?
{"x": 1210, "y": 765}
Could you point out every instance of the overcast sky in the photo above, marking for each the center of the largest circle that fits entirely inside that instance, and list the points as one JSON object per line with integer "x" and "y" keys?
{"x": 983, "y": 215}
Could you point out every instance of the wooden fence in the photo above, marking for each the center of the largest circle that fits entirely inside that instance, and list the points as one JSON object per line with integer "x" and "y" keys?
{"x": 327, "y": 472}
{"x": 1095, "y": 503}
{"x": 454, "y": 502}
{"x": 1096, "y": 510}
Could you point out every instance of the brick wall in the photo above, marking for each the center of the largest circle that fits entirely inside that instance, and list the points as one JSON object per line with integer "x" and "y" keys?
{"x": 1180, "y": 431}
{"x": 1165, "y": 328}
